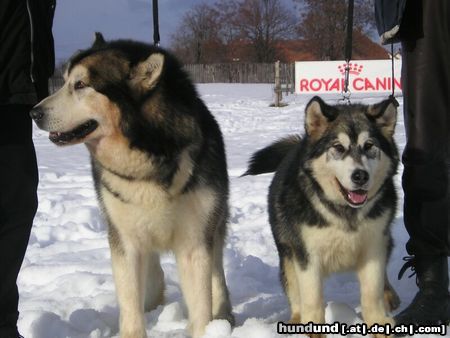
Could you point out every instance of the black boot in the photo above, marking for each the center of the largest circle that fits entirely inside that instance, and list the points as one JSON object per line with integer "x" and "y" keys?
{"x": 431, "y": 305}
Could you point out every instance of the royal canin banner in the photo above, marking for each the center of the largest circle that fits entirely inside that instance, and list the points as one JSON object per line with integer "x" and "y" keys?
{"x": 366, "y": 76}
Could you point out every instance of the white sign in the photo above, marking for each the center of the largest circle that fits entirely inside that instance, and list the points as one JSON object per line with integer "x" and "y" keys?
{"x": 366, "y": 76}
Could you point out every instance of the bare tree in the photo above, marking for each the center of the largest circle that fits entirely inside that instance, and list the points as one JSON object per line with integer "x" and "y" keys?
{"x": 263, "y": 23}
{"x": 323, "y": 24}
{"x": 227, "y": 11}
{"x": 231, "y": 30}
{"x": 197, "y": 39}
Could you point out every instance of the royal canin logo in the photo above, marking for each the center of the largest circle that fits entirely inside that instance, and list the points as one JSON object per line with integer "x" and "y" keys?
{"x": 354, "y": 68}
{"x": 357, "y": 82}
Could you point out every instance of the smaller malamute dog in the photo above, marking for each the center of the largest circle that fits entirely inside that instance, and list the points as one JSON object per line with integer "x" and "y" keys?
{"x": 160, "y": 173}
{"x": 331, "y": 203}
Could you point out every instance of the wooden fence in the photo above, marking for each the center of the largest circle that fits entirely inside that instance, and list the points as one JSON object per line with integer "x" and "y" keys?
{"x": 239, "y": 72}
{"x": 224, "y": 73}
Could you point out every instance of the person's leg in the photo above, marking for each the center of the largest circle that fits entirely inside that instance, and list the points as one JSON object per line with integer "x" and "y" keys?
{"x": 426, "y": 84}
{"x": 18, "y": 204}
{"x": 426, "y": 88}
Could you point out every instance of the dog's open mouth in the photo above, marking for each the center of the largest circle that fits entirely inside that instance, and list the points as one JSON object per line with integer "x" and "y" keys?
{"x": 80, "y": 132}
{"x": 356, "y": 198}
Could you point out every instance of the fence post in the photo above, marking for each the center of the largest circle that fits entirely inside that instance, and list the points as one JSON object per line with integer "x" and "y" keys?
{"x": 277, "y": 84}
{"x": 278, "y": 91}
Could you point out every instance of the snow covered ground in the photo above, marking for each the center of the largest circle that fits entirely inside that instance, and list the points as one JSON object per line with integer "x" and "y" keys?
{"x": 66, "y": 283}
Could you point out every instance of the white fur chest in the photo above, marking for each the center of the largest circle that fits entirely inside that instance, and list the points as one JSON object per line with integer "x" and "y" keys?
{"x": 336, "y": 248}
{"x": 149, "y": 216}
{"x": 140, "y": 210}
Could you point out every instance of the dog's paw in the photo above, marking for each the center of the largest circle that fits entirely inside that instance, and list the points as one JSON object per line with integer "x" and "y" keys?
{"x": 228, "y": 316}
{"x": 379, "y": 335}
{"x": 197, "y": 330}
{"x": 133, "y": 334}
{"x": 388, "y": 320}
{"x": 382, "y": 322}
{"x": 316, "y": 335}
{"x": 295, "y": 318}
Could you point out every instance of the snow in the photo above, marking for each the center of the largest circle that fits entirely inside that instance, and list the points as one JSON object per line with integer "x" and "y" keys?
{"x": 66, "y": 283}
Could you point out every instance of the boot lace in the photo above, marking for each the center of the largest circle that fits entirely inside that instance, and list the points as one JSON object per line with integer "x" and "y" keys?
{"x": 409, "y": 264}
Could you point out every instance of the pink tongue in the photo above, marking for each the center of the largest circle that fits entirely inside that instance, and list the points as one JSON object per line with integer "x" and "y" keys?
{"x": 357, "y": 197}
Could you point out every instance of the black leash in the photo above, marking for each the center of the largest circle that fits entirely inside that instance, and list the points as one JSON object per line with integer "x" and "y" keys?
{"x": 348, "y": 51}
{"x": 348, "y": 41}
{"x": 156, "y": 38}
{"x": 392, "y": 71}
{"x": 348, "y": 56}
{"x": 392, "y": 96}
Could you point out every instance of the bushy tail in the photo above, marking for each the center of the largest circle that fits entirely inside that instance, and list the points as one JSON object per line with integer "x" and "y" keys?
{"x": 268, "y": 159}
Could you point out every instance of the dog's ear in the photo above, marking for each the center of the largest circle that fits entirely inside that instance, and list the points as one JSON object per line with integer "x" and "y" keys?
{"x": 384, "y": 114}
{"x": 99, "y": 40}
{"x": 147, "y": 73}
{"x": 318, "y": 115}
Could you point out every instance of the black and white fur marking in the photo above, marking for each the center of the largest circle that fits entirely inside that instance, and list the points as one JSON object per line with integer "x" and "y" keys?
{"x": 160, "y": 172}
{"x": 331, "y": 203}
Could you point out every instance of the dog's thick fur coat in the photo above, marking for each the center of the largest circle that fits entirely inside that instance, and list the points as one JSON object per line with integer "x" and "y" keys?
{"x": 160, "y": 173}
{"x": 331, "y": 203}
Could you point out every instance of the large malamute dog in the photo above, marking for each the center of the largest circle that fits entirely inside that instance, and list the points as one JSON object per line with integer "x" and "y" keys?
{"x": 160, "y": 173}
{"x": 331, "y": 203}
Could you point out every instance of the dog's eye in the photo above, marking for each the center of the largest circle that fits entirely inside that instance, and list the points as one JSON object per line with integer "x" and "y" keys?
{"x": 339, "y": 148}
{"x": 79, "y": 85}
{"x": 368, "y": 146}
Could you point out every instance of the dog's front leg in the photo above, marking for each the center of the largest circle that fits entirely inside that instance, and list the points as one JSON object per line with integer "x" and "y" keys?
{"x": 311, "y": 295}
{"x": 221, "y": 306}
{"x": 129, "y": 268}
{"x": 371, "y": 276}
{"x": 194, "y": 266}
{"x": 391, "y": 299}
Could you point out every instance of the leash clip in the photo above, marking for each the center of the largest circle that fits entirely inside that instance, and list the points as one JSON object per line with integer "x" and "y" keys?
{"x": 345, "y": 97}
{"x": 345, "y": 91}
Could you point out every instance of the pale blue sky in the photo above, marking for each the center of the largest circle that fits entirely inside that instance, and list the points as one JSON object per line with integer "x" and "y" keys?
{"x": 76, "y": 21}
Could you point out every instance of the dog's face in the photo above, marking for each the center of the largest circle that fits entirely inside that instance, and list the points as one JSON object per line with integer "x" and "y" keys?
{"x": 82, "y": 110}
{"x": 352, "y": 149}
{"x": 77, "y": 112}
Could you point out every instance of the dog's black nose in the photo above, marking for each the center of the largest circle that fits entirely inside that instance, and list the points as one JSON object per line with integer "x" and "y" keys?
{"x": 37, "y": 114}
{"x": 360, "y": 176}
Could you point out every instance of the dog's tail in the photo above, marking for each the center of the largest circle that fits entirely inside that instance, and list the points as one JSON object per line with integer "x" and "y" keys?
{"x": 269, "y": 158}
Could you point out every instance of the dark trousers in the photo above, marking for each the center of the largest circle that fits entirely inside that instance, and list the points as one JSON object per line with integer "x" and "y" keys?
{"x": 426, "y": 89}
{"x": 18, "y": 204}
